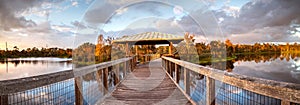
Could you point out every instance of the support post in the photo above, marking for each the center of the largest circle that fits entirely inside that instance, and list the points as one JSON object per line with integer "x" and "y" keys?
{"x": 124, "y": 69}
{"x": 187, "y": 81}
{"x": 167, "y": 66}
{"x": 105, "y": 79}
{"x": 130, "y": 65}
{"x": 4, "y": 100}
{"x": 284, "y": 102}
{"x": 136, "y": 49}
{"x": 127, "y": 50}
{"x": 117, "y": 74}
{"x": 78, "y": 91}
{"x": 170, "y": 48}
{"x": 99, "y": 80}
{"x": 172, "y": 69}
{"x": 210, "y": 91}
{"x": 177, "y": 75}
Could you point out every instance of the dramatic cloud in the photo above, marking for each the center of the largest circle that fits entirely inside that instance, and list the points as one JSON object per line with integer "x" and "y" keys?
{"x": 269, "y": 20}
{"x": 9, "y": 10}
{"x": 259, "y": 14}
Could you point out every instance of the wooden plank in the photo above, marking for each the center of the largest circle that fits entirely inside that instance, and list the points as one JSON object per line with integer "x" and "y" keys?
{"x": 135, "y": 91}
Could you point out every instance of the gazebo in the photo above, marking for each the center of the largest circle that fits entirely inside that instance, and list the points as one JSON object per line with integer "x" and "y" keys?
{"x": 149, "y": 38}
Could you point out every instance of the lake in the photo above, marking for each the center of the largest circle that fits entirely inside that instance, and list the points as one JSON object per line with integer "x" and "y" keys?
{"x": 25, "y": 67}
{"x": 278, "y": 67}
{"x": 272, "y": 66}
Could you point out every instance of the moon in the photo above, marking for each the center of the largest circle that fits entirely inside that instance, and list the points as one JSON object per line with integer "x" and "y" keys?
{"x": 178, "y": 10}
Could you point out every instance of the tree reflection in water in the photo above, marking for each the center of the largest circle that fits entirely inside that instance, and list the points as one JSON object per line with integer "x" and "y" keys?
{"x": 257, "y": 58}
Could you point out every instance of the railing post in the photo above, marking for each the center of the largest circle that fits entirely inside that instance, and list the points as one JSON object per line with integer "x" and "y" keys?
{"x": 284, "y": 102}
{"x": 124, "y": 69}
{"x": 130, "y": 63}
{"x": 99, "y": 80}
{"x": 135, "y": 60}
{"x": 172, "y": 68}
{"x": 105, "y": 77}
{"x": 162, "y": 63}
{"x": 167, "y": 65}
{"x": 187, "y": 81}
{"x": 117, "y": 74}
{"x": 177, "y": 73}
{"x": 78, "y": 91}
{"x": 4, "y": 100}
{"x": 210, "y": 91}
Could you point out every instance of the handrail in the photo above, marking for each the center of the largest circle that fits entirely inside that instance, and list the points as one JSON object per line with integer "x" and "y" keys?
{"x": 22, "y": 84}
{"x": 92, "y": 68}
{"x": 280, "y": 90}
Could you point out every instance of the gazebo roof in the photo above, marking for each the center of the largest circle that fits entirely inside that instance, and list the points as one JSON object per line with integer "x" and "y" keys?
{"x": 150, "y": 38}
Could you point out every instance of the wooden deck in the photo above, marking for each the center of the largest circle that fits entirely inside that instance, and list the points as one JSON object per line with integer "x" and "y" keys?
{"x": 148, "y": 84}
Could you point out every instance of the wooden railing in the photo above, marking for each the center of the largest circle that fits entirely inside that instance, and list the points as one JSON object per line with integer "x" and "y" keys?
{"x": 284, "y": 93}
{"x": 148, "y": 57}
{"x": 12, "y": 91}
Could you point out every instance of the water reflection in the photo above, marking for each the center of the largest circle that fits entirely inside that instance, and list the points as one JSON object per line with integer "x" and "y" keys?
{"x": 14, "y": 68}
{"x": 275, "y": 66}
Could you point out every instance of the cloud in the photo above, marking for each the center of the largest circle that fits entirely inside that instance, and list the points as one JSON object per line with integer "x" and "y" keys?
{"x": 259, "y": 14}
{"x": 62, "y": 28}
{"x": 8, "y": 11}
{"x": 258, "y": 20}
{"x": 78, "y": 24}
{"x": 269, "y": 20}
{"x": 74, "y": 3}
{"x": 100, "y": 14}
{"x": 13, "y": 12}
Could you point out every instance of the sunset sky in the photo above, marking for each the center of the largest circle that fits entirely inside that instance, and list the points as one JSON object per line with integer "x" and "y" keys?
{"x": 67, "y": 23}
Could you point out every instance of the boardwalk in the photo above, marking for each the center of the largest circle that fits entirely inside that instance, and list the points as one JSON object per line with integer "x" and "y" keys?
{"x": 148, "y": 84}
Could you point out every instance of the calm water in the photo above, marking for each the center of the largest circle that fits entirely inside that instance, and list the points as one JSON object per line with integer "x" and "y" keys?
{"x": 285, "y": 68}
{"x": 279, "y": 70}
{"x": 25, "y": 67}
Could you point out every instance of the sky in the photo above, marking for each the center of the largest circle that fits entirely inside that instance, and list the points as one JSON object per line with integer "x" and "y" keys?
{"x": 69, "y": 23}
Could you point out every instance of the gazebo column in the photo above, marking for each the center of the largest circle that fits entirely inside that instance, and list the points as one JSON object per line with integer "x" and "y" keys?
{"x": 136, "y": 52}
{"x": 170, "y": 48}
{"x": 136, "y": 49}
{"x": 126, "y": 48}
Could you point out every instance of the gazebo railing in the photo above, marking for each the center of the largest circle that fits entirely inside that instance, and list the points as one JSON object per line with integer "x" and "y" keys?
{"x": 80, "y": 86}
{"x": 148, "y": 57}
{"x": 208, "y": 86}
